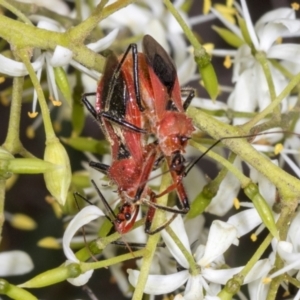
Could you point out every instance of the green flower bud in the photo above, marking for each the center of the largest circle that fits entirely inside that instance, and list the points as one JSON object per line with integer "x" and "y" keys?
{"x": 229, "y": 37}
{"x": 58, "y": 181}
{"x": 208, "y": 73}
{"x": 62, "y": 82}
{"x": 29, "y": 166}
{"x": 53, "y": 276}
{"x": 88, "y": 144}
{"x": 14, "y": 292}
{"x": 201, "y": 202}
{"x": 262, "y": 208}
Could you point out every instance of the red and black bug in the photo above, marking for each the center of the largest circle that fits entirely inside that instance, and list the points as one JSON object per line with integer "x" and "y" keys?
{"x": 152, "y": 77}
{"x": 120, "y": 112}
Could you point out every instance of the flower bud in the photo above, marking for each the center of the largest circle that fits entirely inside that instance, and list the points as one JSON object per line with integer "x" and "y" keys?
{"x": 201, "y": 202}
{"x": 14, "y": 292}
{"x": 53, "y": 276}
{"x": 262, "y": 208}
{"x": 208, "y": 74}
{"x": 87, "y": 144}
{"x": 58, "y": 181}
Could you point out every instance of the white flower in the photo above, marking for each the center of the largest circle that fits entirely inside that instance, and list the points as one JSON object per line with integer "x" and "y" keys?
{"x": 14, "y": 263}
{"x": 85, "y": 216}
{"x": 227, "y": 192}
{"x": 209, "y": 259}
{"x": 248, "y": 219}
{"x": 251, "y": 89}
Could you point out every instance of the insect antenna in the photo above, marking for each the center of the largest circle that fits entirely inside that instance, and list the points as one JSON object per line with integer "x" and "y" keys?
{"x": 193, "y": 163}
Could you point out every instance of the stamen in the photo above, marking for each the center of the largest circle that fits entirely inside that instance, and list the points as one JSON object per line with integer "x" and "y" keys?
{"x": 33, "y": 114}
{"x": 206, "y": 6}
{"x": 278, "y": 148}
{"x": 253, "y": 237}
{"x": 227, "y": 62}
{"x": 266, "y": 280}
{"x": 295, "y": 6}
{"x": 236, "y": 203}
{"x": 49, "y": 242}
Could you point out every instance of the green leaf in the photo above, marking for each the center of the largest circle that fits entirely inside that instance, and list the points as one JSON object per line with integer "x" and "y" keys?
{"x": 229, "y": 37}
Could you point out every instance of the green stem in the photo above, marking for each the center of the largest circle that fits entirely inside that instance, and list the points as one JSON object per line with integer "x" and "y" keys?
{"x": 12, "y": 142}
{"x": 186, "y": 29}
{"x": 194, "y": 269}
{"x": 50, "y": 135}
{"x": 256, "y": 256}
{"x": 16, "y": 12}
{"x": 244, "y": 180}
{"x": 2, "y": 202}
{"x": 159, "y": 219}
{"x": 24, "y": 36}
{"x": 81, "y": 31}
{"x": 111, "y": 261}
{"x": 269, "y": 109}
{"x": 288, "y": 186}
{"x": 283, "y": 225}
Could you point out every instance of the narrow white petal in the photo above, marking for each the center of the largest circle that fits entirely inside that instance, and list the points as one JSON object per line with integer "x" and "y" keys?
{"x": 53, "y": 90}
{"x": 227, "y": 192}
{"x": 285, "y": 251}
{"x": 243, "y": 96}
{"x": 14, "y": 68}
{"x": 15, "y": 263}
{"x": 160, "y": 284}
{"x": 186, "y": 70}
{"x": 61, "y": 56}
{"x": 220, "y": 237}
{"x": 48, "y": 24}
{"x": 268, "y": 35}
{"x": 91, "y": 73}
{"x": 292, "y": 164}
{"x": 290, "y": 52}
{"x": 220, "y": 276}
{"x": 260, "y": 269}
{"x": 245, "y": 221}
{"x": 85, "y": 216}
{"x": 229, "y": 25}
{"x": 276, "y": 14}
{"x": 266, "y": 188}
{"x": 194, "y": 289}
{"x": 178, "y": 227}
{"x": 249, "y": 24}
{"x": 105, "y": 42}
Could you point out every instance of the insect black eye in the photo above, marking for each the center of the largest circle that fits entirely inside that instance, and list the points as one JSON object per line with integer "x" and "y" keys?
{"x": 127, "y": 216}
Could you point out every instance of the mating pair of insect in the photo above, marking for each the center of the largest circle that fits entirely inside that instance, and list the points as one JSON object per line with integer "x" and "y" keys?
{"x": 138, "y": 98}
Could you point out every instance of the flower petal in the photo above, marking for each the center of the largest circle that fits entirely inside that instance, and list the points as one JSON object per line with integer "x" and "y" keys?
{"x": 220, "y": 237}
{"x": 61, "y": 56}
{"x": 227, "y": 192}
{"x": 105, "y": 42}
{"x": 289, "y": 52}
{"x": 15, "y": 263}
{"x": 14, "y": 68}
{"x": 178, "y": 227}
{"x": 194, "y": 289}
{"x": 245, "y": 221}
{"x": 160, "y": 284}
{"x": 85, "y": 216}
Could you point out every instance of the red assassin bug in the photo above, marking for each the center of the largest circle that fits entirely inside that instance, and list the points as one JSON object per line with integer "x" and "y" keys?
{"x": 154, "y": 78}
{"x": 133, "y": 159}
